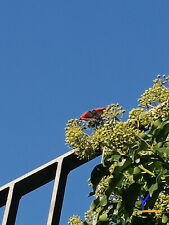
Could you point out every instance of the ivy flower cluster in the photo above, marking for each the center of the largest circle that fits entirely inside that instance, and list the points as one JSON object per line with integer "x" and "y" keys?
{"x": 75, "y": 220}
{"x": 158, "y": 93}
{"x": 162, "y": 203}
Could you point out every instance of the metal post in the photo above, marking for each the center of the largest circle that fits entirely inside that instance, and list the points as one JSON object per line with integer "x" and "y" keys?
{"x": 57, "y": 194}
{"x": 11, "y": 206}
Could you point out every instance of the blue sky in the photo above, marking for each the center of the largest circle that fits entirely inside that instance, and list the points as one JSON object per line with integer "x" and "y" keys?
{"x": 59, "y": 59}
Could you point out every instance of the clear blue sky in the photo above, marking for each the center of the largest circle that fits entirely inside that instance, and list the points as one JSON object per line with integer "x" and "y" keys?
{"x": 59, "y": 59}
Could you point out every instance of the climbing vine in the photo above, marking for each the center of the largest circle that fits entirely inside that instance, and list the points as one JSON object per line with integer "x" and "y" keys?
{"x": 135, "y": 160}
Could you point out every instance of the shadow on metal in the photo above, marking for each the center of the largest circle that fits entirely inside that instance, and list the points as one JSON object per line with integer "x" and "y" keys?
{"x": 57, "y": 170}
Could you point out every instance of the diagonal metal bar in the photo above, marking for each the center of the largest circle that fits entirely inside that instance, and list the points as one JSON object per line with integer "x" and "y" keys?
{"x": 36, "y": 178}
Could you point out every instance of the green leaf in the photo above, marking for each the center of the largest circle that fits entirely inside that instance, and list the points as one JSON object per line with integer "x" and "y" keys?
{"x": 129, "y": 197}
{"x": 103, "y": 223}
{"x": 137, "y": 160}
{"x": 121, "y": 163}
{"x": 103, "y": 217}
{"x": 118, "y": 205}
{"x": 160, "y": 144}
{"x": 162, "y": 150}
{"x": 142, "y": 221}
{"x": 111, "y": 158}
{"x": 163, "y": 132}
{"x": 143, "y": 135}
{"x": 153, "y": 188}
{"x": 166, "y": 127}
{"x": 94, "y": 204}
{"x": 103, "y": 200}
{"x": 164, "y": 218}
{"x": 151, "y": 201}
{"x": 116, "y": 157}
{"x": 156, "y": 124}
{"x": 136, "y": 170}
{"x": 156, "y": 132}
{"x": 124, "y": 165}
{"x": 115, "y": 182}
{"x": 143, "y": 146}
{"x": 98, "y": 172}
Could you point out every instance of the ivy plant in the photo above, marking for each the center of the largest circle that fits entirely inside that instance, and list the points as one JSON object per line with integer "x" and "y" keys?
{"x": 135, "y": 160}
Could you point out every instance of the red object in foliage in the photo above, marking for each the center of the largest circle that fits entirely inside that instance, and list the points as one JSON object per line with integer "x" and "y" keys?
{"x": 94, "y": 114}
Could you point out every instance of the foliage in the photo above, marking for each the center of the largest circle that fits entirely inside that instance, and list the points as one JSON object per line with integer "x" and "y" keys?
{"x": 135, "y": 160}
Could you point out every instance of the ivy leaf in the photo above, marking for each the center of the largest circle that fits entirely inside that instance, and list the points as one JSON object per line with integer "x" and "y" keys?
{"x": 142, "y": 221}
{"x": 160, "y": 144}
{"x": 103, "y": 223}
{"x": 153, "y": 188}
{"x": 156, "y": 124}
{"x": 103, "y": 200}
{"x": 163, "y": 132}
{"x": 94, "y": 204}
{"x": 115, "y": 182}
{"x": 143, "y": 146}
{"x": 123, "y": 165}
{"x": 151, "y": 201}
{"x": 166, "y": 127}
{"x": 85, "y": 223}
{"x": 137, "y": 160}
{"x": 129, "y": 197}
{"x": 116, "y": 157}
{"x": 103, "y": 217}
{"x": 163, "y": 150}
{"x": 136, "y": 170}
{"x": 98, "y": 172}
{"x": 164, "y": 218}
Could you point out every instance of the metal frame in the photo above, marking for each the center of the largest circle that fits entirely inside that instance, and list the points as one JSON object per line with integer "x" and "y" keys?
{"x": 57, "y": 170}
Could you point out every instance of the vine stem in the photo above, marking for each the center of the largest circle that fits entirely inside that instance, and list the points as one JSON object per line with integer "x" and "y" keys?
{"x": 146, "y": 170}
{"x": 150, "y": 147}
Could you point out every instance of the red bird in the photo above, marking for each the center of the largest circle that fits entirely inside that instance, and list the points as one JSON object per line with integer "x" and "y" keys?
{"x": 94, "y": 114}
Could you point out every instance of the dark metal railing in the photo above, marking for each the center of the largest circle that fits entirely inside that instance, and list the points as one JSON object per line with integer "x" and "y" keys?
{"x": 57, "y": 170}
